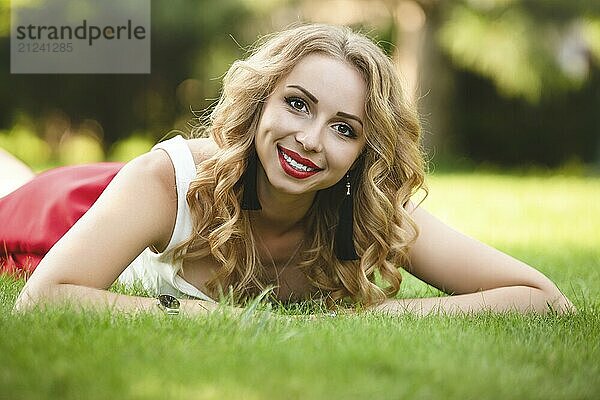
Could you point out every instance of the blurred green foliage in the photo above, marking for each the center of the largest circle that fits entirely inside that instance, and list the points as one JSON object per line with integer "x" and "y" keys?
{"x": 83, "y": 116}
{"x": 528, "y": 48}
{"x": 23, "y": 143}
{"x": 131, "y": 147}
{"x": 500, "y": 47}
{"x": 522, "y": 79}
{"x": 80, "y": 149}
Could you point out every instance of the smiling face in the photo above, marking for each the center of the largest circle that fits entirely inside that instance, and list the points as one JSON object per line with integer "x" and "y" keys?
{"x": 310, "y": 132}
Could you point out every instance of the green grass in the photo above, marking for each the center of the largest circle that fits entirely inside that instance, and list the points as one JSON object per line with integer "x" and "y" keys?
{"x": 549, "y": 222}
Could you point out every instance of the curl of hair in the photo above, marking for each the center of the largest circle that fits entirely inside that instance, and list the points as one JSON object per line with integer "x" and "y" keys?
{"x": 389, "y": 171}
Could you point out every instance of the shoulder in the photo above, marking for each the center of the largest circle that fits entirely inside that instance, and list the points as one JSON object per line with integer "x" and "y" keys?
{"x": 154, "y": 173}
{"x": 157, "y": 165}
{"x": 202, "y": 149}
{"x": 156, "y": 169}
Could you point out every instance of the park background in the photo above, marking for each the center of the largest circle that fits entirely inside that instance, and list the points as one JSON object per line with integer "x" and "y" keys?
{"x": 501, "y": 84}
{"x": 509, "y": 94}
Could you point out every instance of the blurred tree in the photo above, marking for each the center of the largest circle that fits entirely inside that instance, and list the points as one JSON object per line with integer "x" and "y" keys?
{"x": 543, "y": 59}
{"x": 529, "y": 49}
{"x": 507, "y": 81}
{"x": 191, "y": 42}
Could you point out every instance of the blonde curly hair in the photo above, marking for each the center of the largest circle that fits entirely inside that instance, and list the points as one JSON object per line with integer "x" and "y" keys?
{"x": 389, "y": 171}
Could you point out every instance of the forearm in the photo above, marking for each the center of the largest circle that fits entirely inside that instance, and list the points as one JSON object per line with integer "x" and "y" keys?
{"x": 513, "y": 298}
{"x": 84, "y": 298}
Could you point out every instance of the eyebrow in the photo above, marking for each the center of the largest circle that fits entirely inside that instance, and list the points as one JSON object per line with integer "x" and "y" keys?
{"x": 315, "y": 100}
{"x": 346, "y": 115}
{"x": 306, "y": 92}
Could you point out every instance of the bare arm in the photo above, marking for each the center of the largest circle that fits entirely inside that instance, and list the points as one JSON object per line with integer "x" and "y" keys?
{"x": 136, "y": 210}
{"x": 477, "y": 276}
{"x": 87, "y": 298}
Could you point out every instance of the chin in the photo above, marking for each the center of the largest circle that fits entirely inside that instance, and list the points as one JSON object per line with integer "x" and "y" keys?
{"x": 287, "y": 187}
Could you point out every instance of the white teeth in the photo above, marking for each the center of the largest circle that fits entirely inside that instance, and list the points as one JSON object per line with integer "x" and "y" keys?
{"x": 296, "y": 165}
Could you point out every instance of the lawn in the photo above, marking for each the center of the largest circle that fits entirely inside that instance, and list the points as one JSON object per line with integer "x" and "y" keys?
{"x": 549, "y": 222}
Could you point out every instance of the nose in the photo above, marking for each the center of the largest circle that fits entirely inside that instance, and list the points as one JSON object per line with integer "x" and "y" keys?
{"x": 310, "y": 139}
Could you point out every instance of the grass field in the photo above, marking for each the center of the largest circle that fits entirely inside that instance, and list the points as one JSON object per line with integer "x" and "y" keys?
{"x": 552, "y": 223}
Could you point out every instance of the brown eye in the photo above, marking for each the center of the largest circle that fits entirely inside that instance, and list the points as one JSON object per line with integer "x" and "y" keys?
{"x": 297, "y": 104}
{"x": 345, "y": 130}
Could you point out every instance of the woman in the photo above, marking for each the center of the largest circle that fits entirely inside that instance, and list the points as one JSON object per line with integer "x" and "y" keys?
{"x": 302, "y": 180}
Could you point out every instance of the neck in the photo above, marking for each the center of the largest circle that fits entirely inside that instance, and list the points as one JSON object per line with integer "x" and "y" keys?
{"x": 281, "y": 212}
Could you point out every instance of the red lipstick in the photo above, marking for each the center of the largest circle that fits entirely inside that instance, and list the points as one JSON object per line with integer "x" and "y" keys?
{"x": 297, "y": 157}
{"x": 291, "y": 171}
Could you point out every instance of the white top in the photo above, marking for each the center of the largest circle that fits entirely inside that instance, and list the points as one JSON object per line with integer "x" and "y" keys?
{"x": 157, "y": 272}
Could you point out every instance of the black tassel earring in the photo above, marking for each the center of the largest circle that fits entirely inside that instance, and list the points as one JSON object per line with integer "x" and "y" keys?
{"x": 344, "y": 234}
{"x": 250, "y": 196}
